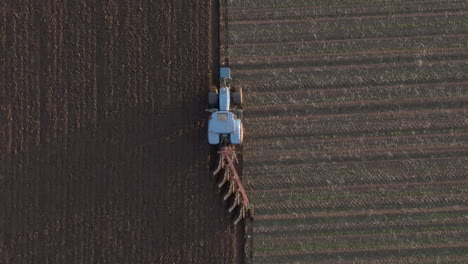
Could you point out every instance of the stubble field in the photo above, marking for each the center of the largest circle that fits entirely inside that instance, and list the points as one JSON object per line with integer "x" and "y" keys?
{"x": 356, "y": 128}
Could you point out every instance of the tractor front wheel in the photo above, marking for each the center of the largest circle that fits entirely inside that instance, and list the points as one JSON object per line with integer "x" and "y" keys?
{"x": 213, "y": 99}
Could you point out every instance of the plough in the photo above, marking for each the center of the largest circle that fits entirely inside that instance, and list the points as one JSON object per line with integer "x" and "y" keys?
{"x": 227, "y": 157}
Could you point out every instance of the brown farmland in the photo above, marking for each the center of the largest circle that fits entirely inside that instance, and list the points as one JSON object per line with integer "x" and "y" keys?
{"x": 103, "y": 150}
{"x": 356, "y": 145}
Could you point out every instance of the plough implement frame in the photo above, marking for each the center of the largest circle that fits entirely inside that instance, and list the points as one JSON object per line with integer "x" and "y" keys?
{"x": 227, "y": 157}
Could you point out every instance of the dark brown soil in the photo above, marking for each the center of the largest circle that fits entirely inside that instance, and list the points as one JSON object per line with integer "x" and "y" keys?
{"x": 102, "y": 134}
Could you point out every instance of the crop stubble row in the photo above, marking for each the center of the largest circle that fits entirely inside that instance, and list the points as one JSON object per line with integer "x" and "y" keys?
{"x": 262, "y": 14}
{"x": 346, "y": 45}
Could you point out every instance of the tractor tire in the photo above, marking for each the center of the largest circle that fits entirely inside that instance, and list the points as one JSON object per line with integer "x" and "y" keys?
{"x": 242, "y": 134}
{"x": 213, "y": 99}
{"x": 237, "y": 97}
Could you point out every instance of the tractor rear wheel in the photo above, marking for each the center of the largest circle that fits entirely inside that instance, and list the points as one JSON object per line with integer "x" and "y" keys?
{"x": 242, "y": 133}
{"x": 237, "y": 97}
{"x": 213, "y": 99}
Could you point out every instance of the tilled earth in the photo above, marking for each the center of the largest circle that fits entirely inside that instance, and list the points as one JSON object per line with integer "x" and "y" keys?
{"x": 102, "y": 134}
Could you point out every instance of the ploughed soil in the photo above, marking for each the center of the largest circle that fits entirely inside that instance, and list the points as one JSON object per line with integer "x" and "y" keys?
{"x": 104, "y": 157}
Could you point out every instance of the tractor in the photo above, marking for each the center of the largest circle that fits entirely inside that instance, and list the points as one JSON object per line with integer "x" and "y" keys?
{"x": 224, "y": 125}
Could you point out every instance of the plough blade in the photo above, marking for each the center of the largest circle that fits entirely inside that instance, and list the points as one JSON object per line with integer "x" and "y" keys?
{"x": 225, "y": 179}
{"x": 235, "y": 203}
{"x": 241, "y": 214}
{"x": 234, "y": 158}
{"x": 220, "y": 167}
{"x": 232, "y": 188}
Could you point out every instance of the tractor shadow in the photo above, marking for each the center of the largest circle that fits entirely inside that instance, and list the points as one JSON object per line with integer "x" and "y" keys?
{"x": 135, "y": 184}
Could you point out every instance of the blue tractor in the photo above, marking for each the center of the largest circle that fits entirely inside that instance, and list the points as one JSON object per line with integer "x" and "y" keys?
{"x": 224, "y": 125}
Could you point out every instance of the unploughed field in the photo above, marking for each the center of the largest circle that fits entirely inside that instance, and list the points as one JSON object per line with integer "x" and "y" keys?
{"x": 103, "y": 149}
{"x": 356, "y": 145}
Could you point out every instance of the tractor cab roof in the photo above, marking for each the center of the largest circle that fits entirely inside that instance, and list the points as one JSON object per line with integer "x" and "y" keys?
{"x": 222, "y": 122}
